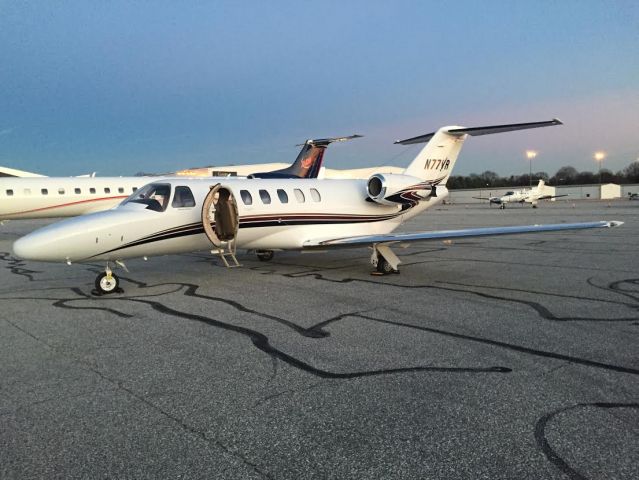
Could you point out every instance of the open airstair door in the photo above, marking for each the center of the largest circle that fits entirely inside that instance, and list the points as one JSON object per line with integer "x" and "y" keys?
{"x": 221, "y": 222}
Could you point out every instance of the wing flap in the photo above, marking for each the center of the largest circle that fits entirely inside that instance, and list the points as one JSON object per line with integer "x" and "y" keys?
{"x": 452, "y": 234}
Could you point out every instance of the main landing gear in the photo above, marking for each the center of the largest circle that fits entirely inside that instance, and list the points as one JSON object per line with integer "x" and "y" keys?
{"x": 107, "y": 282}
{"x": 265, "y": 255}
{"x": 384, "y": 260}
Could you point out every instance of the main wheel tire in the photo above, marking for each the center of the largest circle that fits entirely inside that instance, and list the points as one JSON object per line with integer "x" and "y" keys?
{"x": 383, "y": 266}
{"x": 265, "y": 255}
{"x": 106, "y": 285}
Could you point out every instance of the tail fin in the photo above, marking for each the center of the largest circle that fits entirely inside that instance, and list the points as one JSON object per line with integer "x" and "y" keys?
{"x": 308, "y": 162}
{"x": 436, "y": 160}
{"x": 541, "y": 184}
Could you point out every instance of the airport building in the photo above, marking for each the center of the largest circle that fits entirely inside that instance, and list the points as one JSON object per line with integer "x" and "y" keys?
{"x": 607, "y": 191}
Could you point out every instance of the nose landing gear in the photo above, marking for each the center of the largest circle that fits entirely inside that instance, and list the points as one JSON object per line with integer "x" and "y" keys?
{"x": 107, "y": 282}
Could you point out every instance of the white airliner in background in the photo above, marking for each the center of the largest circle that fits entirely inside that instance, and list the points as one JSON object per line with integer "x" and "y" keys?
{"x": 53, "y": 197}
{"x": 181, "y": 215}
{"x": 526, "y": 195}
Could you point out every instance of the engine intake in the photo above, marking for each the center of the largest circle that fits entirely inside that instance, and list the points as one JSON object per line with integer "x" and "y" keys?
{"x": 393, "y": 189}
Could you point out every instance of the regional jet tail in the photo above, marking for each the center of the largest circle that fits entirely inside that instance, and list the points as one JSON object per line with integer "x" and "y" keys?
{"x": 51, "y": 197}
{"x": 309, "y": 161}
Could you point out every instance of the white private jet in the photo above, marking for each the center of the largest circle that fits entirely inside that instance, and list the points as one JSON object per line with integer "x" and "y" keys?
{"x": 52, "y": 197}
{"x": 183, "y": 215}
{"x": 526, "y": 195}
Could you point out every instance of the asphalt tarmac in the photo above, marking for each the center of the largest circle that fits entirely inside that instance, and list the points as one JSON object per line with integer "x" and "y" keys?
{"x": 510, "y": 357}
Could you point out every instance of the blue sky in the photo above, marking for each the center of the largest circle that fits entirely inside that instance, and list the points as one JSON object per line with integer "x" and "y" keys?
{"x": 121, "y": 87}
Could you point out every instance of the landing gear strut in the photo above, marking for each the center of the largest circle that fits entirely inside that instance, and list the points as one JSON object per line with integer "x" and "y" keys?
{"x": 384, "y": 260}
{"x": 107, "y": 282}
{"x": 265, "y": 255}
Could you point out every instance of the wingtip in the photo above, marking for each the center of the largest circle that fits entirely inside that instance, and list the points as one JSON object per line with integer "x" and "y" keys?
{"x": 557, "y": 121}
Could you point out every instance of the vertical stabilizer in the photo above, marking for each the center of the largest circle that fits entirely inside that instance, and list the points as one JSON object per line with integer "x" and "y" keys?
{"x": 308, "y": 163}
{"x": 436, "y": 160}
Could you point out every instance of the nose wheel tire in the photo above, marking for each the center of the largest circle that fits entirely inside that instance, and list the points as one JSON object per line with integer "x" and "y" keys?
{"x": 265, "y": 255}
{"x": 106, "y": 283}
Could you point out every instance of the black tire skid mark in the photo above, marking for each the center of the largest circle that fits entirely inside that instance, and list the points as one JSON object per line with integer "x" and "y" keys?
{"x": 261, "y": 342}
{"x": 16, "y": 266}
{"x": 258, "y": 339}
{"x": 494, "y": 343}
{"x": 547, "y": 294}
{"x": 542, "y": 311}
{"x": 543, "y": 444}
{"x": 317, "y": 331}
{"x": 615, "y": 287}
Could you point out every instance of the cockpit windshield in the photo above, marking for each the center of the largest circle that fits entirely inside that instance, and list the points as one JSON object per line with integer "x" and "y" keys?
{"x": 154, "y": 195}
{"x": 509, "y": 193}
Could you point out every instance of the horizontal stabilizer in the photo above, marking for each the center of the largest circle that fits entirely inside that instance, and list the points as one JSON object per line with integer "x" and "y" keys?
{"x": 475, "y": 131}
{"x": 322, "y": 142}
{"x": 451, "y": 234}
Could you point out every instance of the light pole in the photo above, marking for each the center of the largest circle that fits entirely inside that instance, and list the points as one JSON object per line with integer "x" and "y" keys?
{"x": 599, "y": 158}
{"x": 530, "y": 154}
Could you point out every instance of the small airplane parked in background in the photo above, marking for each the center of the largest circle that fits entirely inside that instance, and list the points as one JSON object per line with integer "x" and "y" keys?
{"x": 526, "y": 195}
{"x": 182, "y": 215}
{"x": 52, "y": 197}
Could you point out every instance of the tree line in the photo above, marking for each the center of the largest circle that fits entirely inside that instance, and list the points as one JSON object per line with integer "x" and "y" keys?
{"x": 565, "y": 176}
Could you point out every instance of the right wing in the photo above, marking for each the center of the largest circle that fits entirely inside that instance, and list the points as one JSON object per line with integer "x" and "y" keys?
{"x": 549, "y": 197}
{"x": 390, "y": 238}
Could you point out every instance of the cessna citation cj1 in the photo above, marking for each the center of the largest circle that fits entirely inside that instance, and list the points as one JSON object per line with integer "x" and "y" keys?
{"x": 184, "y": 215}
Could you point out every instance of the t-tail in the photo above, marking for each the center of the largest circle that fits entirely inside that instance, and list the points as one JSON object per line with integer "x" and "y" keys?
{"x": 436, "y": 160}
{"x": 309, "y": 161}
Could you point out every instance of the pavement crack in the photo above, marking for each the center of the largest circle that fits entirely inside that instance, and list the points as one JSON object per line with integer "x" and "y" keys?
{"x": 182, "y": 424}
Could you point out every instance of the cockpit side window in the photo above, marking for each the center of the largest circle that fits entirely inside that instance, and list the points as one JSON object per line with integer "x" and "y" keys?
{"x": 183, "y": 198}
{"x": 154, "y": 195}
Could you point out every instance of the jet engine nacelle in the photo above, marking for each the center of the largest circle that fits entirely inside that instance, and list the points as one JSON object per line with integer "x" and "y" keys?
{"x": 394, "y": 189}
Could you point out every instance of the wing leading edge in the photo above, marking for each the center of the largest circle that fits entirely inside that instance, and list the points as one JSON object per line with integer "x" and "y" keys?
{"x": 345, "y": 242}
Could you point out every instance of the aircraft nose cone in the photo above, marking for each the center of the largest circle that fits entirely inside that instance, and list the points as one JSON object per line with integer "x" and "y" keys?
{"x": 29, "y": 247}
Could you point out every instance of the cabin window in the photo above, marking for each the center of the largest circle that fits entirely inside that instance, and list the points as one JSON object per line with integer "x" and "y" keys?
{"x": 120, "y": 190}
{"x": 9, "y": 193}
{"x": 134, "y": 189}
{"x": 61, "y": 191}
{"x": 315, "y": 195}
{"x": 44, "y": 191}
{"x": 282, "y": 195}
{"x": 183, "y": 198}
{"x": 78, "y": 191}
{"x": 27, "y": 191}
{"x": 264, "y": 195}
{"x": 107, "y": 190}
{"x": 299, "y": 195}
{"x": 91, "y": 190}
{"x": 246, "y": 197}
{"x": 154, "y": 195}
